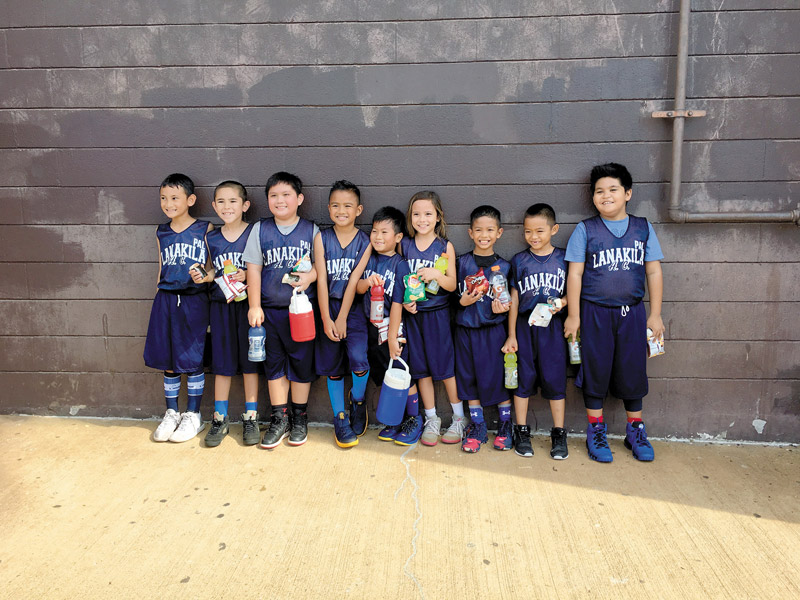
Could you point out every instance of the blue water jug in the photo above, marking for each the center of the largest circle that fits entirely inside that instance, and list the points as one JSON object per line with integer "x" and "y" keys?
{"x": 256, "y": 338}
{"x": 394, "y": 393}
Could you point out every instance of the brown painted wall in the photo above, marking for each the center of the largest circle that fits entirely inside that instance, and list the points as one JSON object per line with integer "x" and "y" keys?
{"x": 500, "y": 101}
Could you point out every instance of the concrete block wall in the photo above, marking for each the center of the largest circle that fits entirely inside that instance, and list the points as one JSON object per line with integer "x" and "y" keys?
{"x": 503, "y": 102}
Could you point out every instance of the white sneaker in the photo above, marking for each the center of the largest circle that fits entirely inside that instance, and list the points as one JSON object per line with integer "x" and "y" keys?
{"x": 191, "y": 425}
{"x": 455, "y": 433}
{"x": 168, "y": 426}
{"x": 430, "y": 435}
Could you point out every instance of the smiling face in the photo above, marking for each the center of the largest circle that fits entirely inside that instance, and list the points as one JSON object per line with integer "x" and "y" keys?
{"x": 229, "y": 206}
{"x": 343, "y": 208}
{"x": 175, "y": 202}
{"x": 610, "y": 198}
{"x": 485, "y": 231}
{"x": 424, "y": 217}
{"x": 283, "y": 201}
{"x": 538, "y": 232}
{"x": 384, "y": 238}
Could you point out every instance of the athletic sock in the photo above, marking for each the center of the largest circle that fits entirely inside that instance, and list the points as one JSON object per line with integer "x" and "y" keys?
{"x": 336, "y": 393}
{"x": 196, "y": 383}
{"x": 359, "y": 386}
{"x": 505, "y": 412}
{"x": 221, "y": 407}
{"x": 458, "y": 409}
{"x": 595, "y": 420}
{"x": 172, "y": 387}
{"x": 633, "y": 420}
{"x": 248, "y": 406}
{"x": 412, "y": 405}
{"x": 430, "y": 413}
{"x": 476, "y": 414}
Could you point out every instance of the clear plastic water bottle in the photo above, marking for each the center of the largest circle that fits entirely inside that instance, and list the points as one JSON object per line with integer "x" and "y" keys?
{"x": 574, "y": 345}
{"x": 256, "y": 338}
{"x": 511, "y": 372}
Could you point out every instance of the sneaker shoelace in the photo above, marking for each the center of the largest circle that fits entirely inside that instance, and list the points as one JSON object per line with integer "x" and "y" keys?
{"x": 641, "y": 438}
{"x": 504, "y": 430}
{"x": 432, "y": 426}
{"x": 599, "y": 438}
{"x": 250, "y": 425}
{"x": 186, "y": 423}
{"x": 457, "y": 427}
{"x": 409, "y": 425}
{"x": 216, "y": 426}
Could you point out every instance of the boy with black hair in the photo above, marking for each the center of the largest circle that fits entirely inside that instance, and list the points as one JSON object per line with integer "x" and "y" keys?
{"x": 612, "y": 256}
{"x": 538, "y": 274}
{"x": 481, "y": 332}
{"x": 176, "y": 333}
{"x": 275, "y": 245}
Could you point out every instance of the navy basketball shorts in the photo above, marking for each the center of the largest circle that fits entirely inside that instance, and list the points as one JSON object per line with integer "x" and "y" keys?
{"x": 613, "y": 351}
{"x": 378, "y": 355}
{"x": 335, "y": 359}
{"x": 480, "y": 374}
{"x": 176, "y": 334}
{"x": 541, "y": 359}
{"x": 285, "y": 357}
{"x": 229, "y": 344}
{"x": 430, "y": 344}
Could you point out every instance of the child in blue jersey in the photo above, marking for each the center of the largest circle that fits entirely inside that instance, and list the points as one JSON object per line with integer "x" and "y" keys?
{"x": 537, "y": 275}
{"x": 275, "y": 245}
{"x": 382, "y": 271}
{"x": 341, "y": 253}
{"x": 430, "y": 341}
{"x": 176, "y": 333}
{"x": 611, "y": 257}
{"x": 229, "y": 326}
{"x": 481, "y": 334}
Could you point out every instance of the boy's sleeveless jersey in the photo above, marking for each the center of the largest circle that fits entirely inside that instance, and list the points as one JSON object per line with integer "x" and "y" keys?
{"x": 340, "y": 262}
{"x": 280, "y": 253}
{"x": 614, "y": 272}
{"x": 179, "y": 251}
{"x": 418, "y": 259}
{"x": 479, "y": 314}
{"x": 535, "y": 280}
{"x": 221, "y": 250}
{"x": 386, "y": 267}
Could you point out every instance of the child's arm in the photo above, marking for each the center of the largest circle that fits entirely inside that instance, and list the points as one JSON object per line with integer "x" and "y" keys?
{"x": 364, "y": 284}
{"x": 160, "y": 266}
{"x": 350, "y": 293}
{"x": 255, "y": 314}
{"x": 210, "y": 271}
{"x": 513, "y": 312}
{"x": 328, "y": 326}
{"x": 395, "y": 318}
{"x": 447, "y": 280}
{"x": 574, "y": 284}
{"x": 655, "y": 287}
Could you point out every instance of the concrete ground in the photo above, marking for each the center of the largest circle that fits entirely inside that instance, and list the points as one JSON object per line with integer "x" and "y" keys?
{"x": 95, "y": 509}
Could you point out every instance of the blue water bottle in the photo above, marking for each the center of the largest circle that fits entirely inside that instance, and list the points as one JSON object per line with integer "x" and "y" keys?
{"x": 256, "y": 351}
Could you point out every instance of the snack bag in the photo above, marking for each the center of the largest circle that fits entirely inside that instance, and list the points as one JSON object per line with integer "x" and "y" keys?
{"x": 301, "y": 266}
{"x": 477, "y": 282}
{"x": 415, "y": 289}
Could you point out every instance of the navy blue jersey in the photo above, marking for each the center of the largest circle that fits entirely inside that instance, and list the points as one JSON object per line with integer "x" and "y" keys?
{"x": 179, "y": 251}
{"x": 220, "y": 250}
{"x": 537, "y": 278}
{"x": 479, "y": 314}
{"x": 386, "y": 267}
{"x": 280, "y": 253}
{"x": 614, "y": 273}
{"x": 340, "y": 262}
{"x": 417, "y": 259}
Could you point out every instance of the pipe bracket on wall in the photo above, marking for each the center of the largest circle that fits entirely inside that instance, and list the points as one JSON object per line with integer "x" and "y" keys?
{"x": 671, "y": 114}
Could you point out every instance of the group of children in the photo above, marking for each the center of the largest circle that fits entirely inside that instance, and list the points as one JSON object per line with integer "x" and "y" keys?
{"x": 600, "y": 279}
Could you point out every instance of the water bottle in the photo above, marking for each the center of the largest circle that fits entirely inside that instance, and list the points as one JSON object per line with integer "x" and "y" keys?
{"x": 441, "y": 266}
{"x": 574, "y": 349}
{"x": 376, "y": 304}
{"x": 511, "y": 373}
{"x": 256, "y": 338}
{"x": 499, "y": 285}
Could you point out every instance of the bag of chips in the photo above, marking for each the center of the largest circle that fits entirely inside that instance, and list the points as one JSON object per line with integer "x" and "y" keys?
{"x": 477, "y": 282}
{"x": 415, "y": 289}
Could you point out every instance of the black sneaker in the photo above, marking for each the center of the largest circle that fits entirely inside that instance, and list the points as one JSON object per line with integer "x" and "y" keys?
{"x": 558, "y": 437}
{"x": 522, "y": 440}
{"x": 278, "y": 428}
{"x": 250, "y": 432}
{"x": 219, "y": 429}
{"x": 358, "y": 416}
{"x": 299, "y": 432}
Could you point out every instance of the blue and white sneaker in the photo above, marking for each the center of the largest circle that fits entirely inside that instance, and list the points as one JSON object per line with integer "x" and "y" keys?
{"x": 636, "y": 441}
{"x": 410, "y": 431}
{"x": 597, "y": 443}
{"x": 389, "y": 433}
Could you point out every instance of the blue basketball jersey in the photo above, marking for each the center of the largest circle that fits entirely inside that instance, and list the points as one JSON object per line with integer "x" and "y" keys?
{"x": 220, "y": 250}
{"x": 537, "y": 278}
{"x": 479, "y": 314}
{"x": 340, "y": 262}
{"x": 280, "y": 253}
{"x": 418, "y": 259}
{"x": 387, "y": 268}
{"x": 179, "y": 251}
{"x": 614, "y": 273}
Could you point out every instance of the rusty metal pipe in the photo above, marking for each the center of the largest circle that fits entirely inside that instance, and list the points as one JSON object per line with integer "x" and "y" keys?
{"x": 676, "y": 213}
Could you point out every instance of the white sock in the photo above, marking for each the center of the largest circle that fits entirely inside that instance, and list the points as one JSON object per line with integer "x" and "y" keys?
{"x": 458, "y": 409}
{"x": 430, "y": 412}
